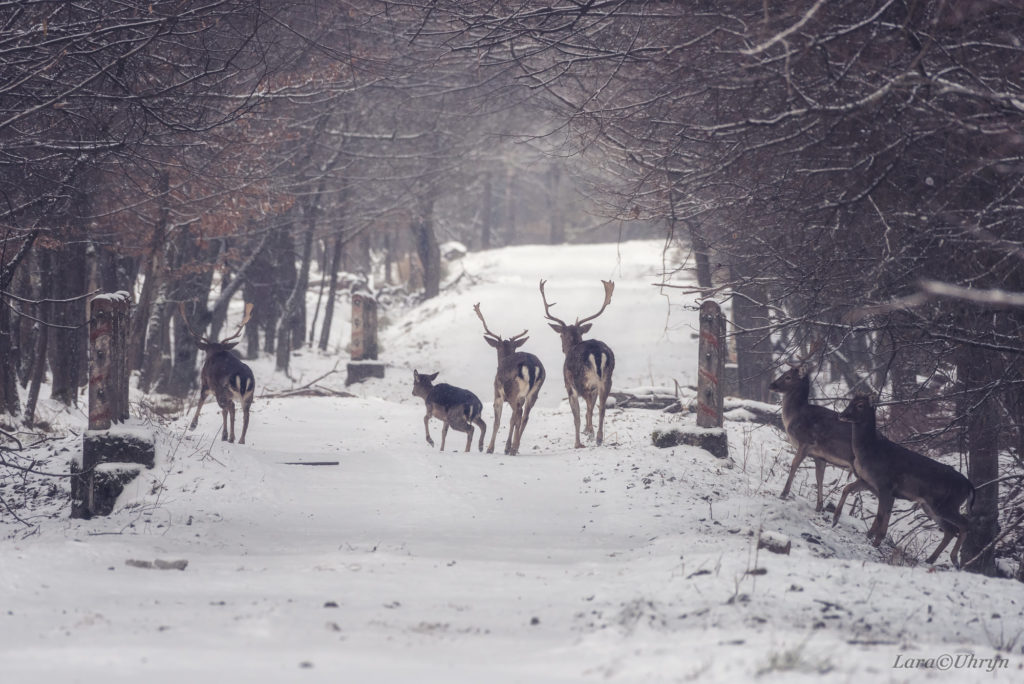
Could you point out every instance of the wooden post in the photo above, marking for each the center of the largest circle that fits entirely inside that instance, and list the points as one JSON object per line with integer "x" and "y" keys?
{"x": 94, "y": 486}
{"x": 363, "y": 349}
{"x": 108, "y": 355}
{"x": 711, "y": 366}
{"x": 364, "y": 327}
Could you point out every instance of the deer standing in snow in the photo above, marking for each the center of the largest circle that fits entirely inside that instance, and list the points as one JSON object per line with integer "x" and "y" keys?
{"x": 457, "y": 408}
{"x": 588, "y": 365}
{"x": 225, "y": 376}
{"x": 814, "y": 430}
{"x": 895, "y": 472}
{"x": 518, "y": 381}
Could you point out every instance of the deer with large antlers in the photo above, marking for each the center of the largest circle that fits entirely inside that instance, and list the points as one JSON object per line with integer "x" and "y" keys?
{"x": 518, "y": 381}
{"x": 894, "y": 472}
{"x": 225, "y": 376}
{"x": 588, "y": 365}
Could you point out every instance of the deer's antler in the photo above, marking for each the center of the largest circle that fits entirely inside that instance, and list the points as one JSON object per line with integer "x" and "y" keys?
{"x": 181, "y": 309}
{"x": 609, "y": 287}
{"x": 476, "y": 308}
{"x": 245, "y": 319}
{"x": 547, "y": 307}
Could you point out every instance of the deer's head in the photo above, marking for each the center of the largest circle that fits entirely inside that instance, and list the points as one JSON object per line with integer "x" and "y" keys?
{"x": 212, "y": 347}
{"x": 505, "y": 346}
{"x": 797, "y": 377}
{"x": 861, "y": 410}
{"x": 422, "y": 383}
{"x": 572, "y": 334}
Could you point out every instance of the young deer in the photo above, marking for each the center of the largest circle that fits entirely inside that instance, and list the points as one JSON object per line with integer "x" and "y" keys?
{"x": 814, "y": 430}
{"x": 895, "y": 472}
{"x": 458, "y": 408}
{"x": 518, "y": 381}
{"x": 588, "y": 365}
{"x": 226, "y": 377}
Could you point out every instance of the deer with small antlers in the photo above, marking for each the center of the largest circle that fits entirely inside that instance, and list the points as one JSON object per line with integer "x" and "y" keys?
{"x": 518, "y": 381}
{"x": 894, "y": 472}
{"x": 588, "y": 365}
{"x": 225, "y": 376}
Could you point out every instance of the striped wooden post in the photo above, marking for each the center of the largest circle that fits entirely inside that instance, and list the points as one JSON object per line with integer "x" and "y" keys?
{"x": 108, "y": 358}
{"x": 94, "y": 485}
{"x": 711, "y": 366}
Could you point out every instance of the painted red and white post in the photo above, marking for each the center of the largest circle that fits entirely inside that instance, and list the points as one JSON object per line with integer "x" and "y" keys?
{"x": 711, "y": 366}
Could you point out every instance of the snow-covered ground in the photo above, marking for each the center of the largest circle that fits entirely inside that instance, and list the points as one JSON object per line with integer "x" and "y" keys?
{"x": 401, "y": 563}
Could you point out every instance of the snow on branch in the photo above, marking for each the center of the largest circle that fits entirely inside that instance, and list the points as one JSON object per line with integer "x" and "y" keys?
{"x": 782, "y": 35}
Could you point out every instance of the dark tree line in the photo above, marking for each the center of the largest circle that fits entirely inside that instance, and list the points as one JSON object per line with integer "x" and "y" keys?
{"x": 823, "y": 160}
{"x": 189, "y": 153}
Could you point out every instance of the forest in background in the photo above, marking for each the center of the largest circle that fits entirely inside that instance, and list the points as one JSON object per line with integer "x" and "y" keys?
{"x": 848, "y": 176}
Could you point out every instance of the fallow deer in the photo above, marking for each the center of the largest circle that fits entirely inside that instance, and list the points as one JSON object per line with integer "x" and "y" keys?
{"x": 588, "y": 365}
{"x": 814, "y": 430}
{"x": 895, "y": 472}
{"x": 225, "y": 376}
{"x": 518, "y": 381}
{"x": 458, "y": 408}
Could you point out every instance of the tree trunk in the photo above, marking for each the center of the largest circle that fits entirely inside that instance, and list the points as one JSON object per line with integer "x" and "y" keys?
{"x": 153, "y": 273}
{"x": 557, "y": 235}
{"x": 156, "y": 358}
{"x": 9, "y": 402}
{"x": 332, "y": 293}
{"x": 510, "y": 208}
{"x": 701, "y": 255}
{"x": 193, "y": 288}
{"x": 487, "y": 213}
{"x": 41, "y": 340}
{"x": 293, "y": 311}
{"x": 67, "y": 352}
{"x": 975, "y": 371}
{"x": 427, "y": 248}
{"x": 753, "y": 346}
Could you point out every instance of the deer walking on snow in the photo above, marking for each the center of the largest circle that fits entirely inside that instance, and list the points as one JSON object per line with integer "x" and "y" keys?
{"x": 518, "y": 381}
{"x": 895, "y": 472}
{"x": 814, "y": 430}
{"x": 588, "y": 366}
{"x": 225, "y": 376}
{"x": 457, "y": 408}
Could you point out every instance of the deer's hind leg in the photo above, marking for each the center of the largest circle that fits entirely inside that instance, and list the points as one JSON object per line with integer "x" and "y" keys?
{"x": 483, "y": 431}
{"x": 574, "y": 405}
{"x": 444, "y": 433}
{"x": 591, "y": 398}
{"x": 603, "y": 399}
{"x": 246, "y": 403}
{"x": 227, "y": 408}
